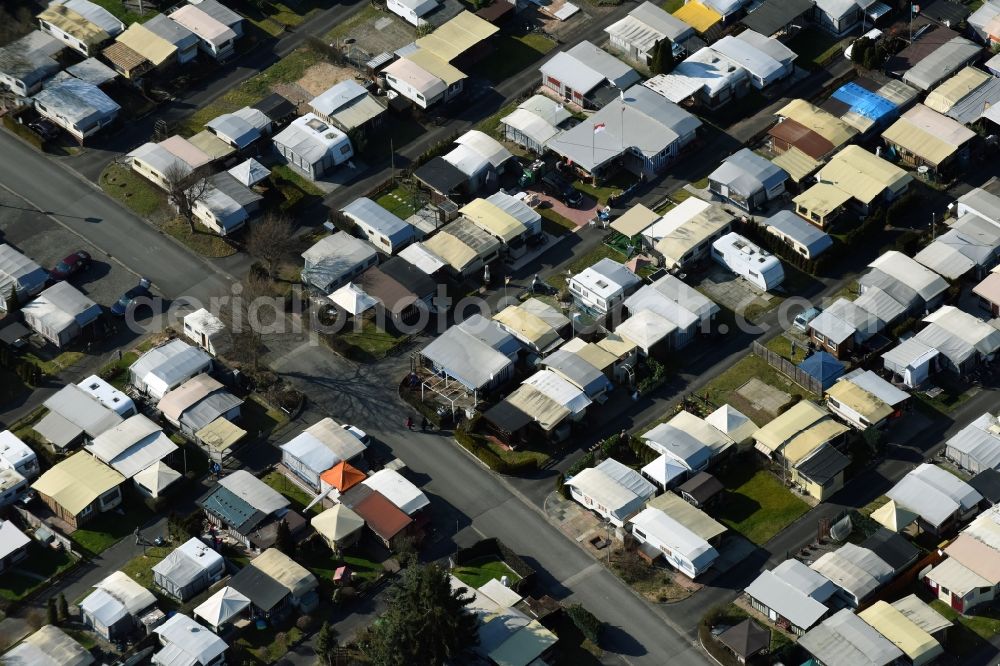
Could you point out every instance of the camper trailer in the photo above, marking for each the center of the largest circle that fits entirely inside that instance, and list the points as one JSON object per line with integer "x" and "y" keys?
{"x": 761, "y": 269}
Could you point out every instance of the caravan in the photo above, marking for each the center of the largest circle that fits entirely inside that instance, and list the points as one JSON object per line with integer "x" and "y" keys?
{"x": 762, "y": 269}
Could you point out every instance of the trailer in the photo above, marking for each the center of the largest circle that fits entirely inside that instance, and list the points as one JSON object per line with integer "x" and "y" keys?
{"x": 759, "y": 267}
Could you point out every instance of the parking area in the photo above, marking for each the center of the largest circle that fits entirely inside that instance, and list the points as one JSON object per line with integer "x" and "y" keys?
{"x": 734, "y": 293}
{"x": 47, "y": 243}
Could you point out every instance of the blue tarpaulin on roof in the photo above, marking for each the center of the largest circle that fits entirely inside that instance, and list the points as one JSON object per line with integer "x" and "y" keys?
{"x": 864, "y": 102}
{"x": 824, "y": 367}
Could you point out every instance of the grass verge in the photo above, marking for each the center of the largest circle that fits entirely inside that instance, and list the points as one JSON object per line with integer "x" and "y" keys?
{"x": 203, "y": 241}
{"x": 141, "y": 196}
{"x": 140, "y": 568}
{"x": 757, "y": 505}
{"x": 54, "y": 366}
{"x": 400, "y": 201}
{"x": 970, "y": 633}
{"x": 514, "y": 54}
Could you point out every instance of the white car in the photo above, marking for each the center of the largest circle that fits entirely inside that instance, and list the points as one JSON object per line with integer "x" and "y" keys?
{"x": 358, "y": 432}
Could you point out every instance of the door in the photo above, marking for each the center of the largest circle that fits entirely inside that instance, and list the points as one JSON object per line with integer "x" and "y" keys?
{"x": 957, "y": 603}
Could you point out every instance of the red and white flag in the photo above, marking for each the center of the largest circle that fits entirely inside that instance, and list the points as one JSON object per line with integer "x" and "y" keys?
{"x": 599, "y": 127}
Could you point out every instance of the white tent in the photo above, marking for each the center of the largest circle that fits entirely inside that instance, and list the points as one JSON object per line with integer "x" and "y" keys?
{"x": 353, "y": 299}
{"x": 156, "y": 477}
{"x": 222, "y": 606}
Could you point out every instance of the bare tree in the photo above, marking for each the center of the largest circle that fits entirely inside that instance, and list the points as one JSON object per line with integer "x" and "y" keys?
{"x": 270, "y": 240}
{"x": 185, "y": 188}
{"x": 250, "y": 315}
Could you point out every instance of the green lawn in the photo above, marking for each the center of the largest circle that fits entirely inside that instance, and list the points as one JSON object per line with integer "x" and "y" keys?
{"x": 491, "y": 124}
{"x": 782, "y": 345}
{"x": 371, "y": 340}
{"x": 123, "y": 14}
{"x": 400, "y": 201}
{"x": 671, "y": 6}
{"x": 288, "y": 173}
{"x": 203, "y": 241}
{"x": 969, "y": 633}
{"x": 274, "y": 18}
{"x": 118, "y": 370}
{"x": 54, "y": 366}
{"x": 133, "y": 190}
{"x": 261, "y": 419}
{"x": 953, "y": 394}
{"x": 265, "y": 644}
{"x": 140, "y": 568}
{"x": 756, "y": 504}
{"x": 554, "y": 223}
{"x": 619, "y": 182}
{"x": 513, "y": 54}
{"x": 41, "y": 561}
{"x": 288, "y": 69}
{"x": 813, "y": 46}
{"x": 298, "y": 497}
{"x": 324, "y": 566}
{"x": 478, "y": 573}
{"x": 602, "y": 251}
{"x": 109, "y": 528}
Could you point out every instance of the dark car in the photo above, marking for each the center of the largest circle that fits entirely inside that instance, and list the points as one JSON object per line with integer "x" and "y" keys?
{"x": 127, "y": 301}
{"x": 74, "y": 263}
{"x": 556, "y": 186}
{"x": 45, "y": 128}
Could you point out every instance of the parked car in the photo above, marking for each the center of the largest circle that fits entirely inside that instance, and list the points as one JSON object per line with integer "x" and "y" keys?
{"x": 556, "y": 186}
{"x": 127, "y": 301}
{"x": 69, "y": 266}
{"x": 802, "y": 319}
{"x": 358, "y": 432}
{"x": 45, "y": 128}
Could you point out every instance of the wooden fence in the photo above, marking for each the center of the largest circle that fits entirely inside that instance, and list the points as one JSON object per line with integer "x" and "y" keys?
{"x": 789, "y": 369}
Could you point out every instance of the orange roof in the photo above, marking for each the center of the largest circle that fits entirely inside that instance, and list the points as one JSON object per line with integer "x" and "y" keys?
{"x": 343, "y": 476}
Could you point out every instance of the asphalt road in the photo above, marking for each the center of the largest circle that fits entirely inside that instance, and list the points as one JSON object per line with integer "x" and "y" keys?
{"x": 469, "y": 503}
{"x": 47, "y": 186}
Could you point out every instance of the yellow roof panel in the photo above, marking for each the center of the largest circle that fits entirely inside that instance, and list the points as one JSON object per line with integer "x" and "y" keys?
{"x": 902, "y": 632}
{"x": 221, "y": 434}
{"x": 616, "y": 345}
{"x": 527, "y": 326}
{"x": 457, "y": 254}
{"x": 864, "y": 175}
{"x": 822, "y": 199}
{"x": 804, "y": 443}
{"x": 778, "y": 432}
{"x": 457, "y": 36}
{"x": 287, "y": 572}
{"x": 796, "y": 164}
{"x": 698, "y": 16}
{"x": 824, "y": 123}
{"x": 435, "y": 66}
{"x": 955, "y": 89}
{"x": 77, "y": 481}
{"x": 597, "y": 356}
{"x": 147, "y": 43}
{"x": 74, "y": 24}
{"x": 493, "y": 220}
{"x": 211, "y": 145}
{"x": 861, "y": 401}
{"x": 637, "y": 219}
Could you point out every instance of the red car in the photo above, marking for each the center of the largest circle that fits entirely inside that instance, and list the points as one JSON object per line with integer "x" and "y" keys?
{"x": 74, "y": 263}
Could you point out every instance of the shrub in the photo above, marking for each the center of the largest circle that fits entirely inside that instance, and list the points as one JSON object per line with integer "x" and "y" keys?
{"x": 585, "y": 461}
{"x": 586, "y": 622}
{"x": 561, "y": 486}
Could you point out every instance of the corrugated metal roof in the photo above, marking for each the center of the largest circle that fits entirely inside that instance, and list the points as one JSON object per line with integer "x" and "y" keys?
{"x": 908, "y": 271}
{"x": 674, "y": 535}
{"x": 801, "y": 416}
{"x": 928, "y": 134}
{"x": 704, "y": 70}
{"x": 955, "y": 89}
{"x": 687, "y": 515}
{"x": 921, "y": 614}
{"x": 493, "y": 220}
{"x": 77, "y": 481}
{"x": 813, "y": 118}
{"x": 793, "y": 591}
{"x": 290, "y": 574}
{"x": 452, "y": 39}
{"x": 796, "y": 164}
{"x": 147, "y": 43}
{"x": 864, "y": 175}
{"x": 933, "y": 493}
{"x": 844, "y": 639}
{"x": 70, "y": 21}
{"x": 814, "y": 239}
{"x": 942, "y": 62}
